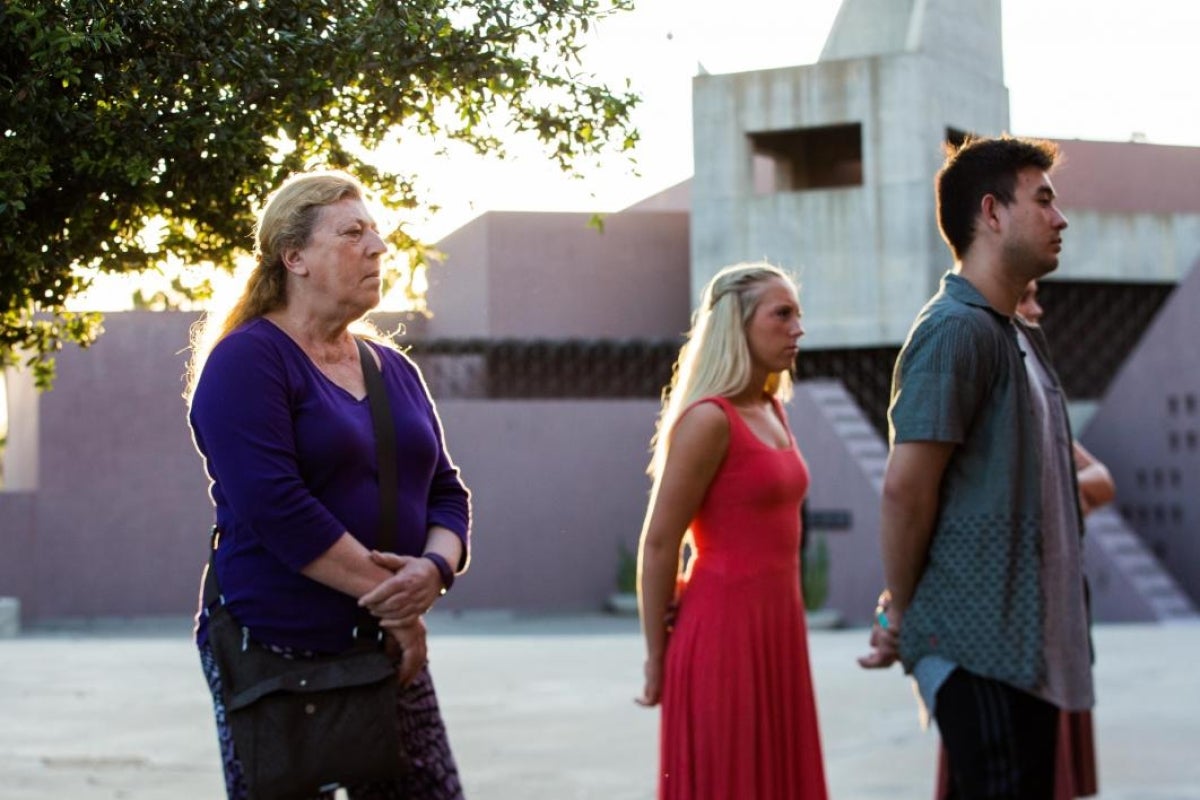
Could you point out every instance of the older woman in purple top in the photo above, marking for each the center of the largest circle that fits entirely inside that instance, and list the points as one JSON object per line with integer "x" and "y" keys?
{"x": 278, "y": 410}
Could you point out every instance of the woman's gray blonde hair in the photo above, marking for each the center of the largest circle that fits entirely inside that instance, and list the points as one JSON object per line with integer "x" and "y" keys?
{"x": 285, "y": 222}
{"x": 715, "y": 359}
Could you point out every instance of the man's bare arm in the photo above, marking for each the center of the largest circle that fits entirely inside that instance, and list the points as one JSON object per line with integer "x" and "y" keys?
{"x": 911, "y": 486}
{"x": 910, "y": 504}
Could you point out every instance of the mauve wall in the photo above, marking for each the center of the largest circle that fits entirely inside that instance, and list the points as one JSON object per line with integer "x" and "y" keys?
{"x": 118, "y": 523}
{"x": 121, "y": 503}
{"x": 845, "y": 460}
{"x": 551, "y": 276}
{"x": 16, "y": 540}
{"x": 458, "y": 284}
{"x": 1147, "y": 430}
{"x": 559, "y": 485}
{"x": 556, "y": 487}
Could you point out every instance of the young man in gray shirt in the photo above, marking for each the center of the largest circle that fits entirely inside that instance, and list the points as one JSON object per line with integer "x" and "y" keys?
{"x": 985, "y": 600}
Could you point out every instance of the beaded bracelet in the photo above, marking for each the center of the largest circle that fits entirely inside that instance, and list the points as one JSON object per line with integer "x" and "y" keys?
{"x": 443, "y": 568}
{"x": 882, "y": 606}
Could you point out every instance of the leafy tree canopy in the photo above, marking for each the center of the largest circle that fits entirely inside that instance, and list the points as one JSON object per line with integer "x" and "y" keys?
{"x": 184, "y": 114}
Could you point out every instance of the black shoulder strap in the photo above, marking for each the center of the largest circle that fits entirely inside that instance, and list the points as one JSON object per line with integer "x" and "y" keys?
{"x": 385, "y": 446}
{"x": 210, "y": 590}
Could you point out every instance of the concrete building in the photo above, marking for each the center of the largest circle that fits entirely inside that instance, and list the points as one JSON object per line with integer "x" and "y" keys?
{"x": 827, "y": 169}
{"x": 522, "y": 275}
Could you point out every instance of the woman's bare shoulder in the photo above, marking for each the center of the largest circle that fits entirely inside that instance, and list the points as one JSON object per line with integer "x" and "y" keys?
{"x": 704, "y": 420}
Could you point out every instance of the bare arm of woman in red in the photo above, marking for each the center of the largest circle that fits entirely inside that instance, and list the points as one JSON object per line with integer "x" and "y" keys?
{"x": 698, "y": 444}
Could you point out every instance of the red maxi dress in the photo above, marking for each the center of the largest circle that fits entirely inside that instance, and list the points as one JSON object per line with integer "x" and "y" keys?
{"x": 739, "y": 720}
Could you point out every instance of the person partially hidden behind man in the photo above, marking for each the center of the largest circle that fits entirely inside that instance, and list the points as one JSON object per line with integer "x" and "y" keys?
{"x": 985, "y": 600}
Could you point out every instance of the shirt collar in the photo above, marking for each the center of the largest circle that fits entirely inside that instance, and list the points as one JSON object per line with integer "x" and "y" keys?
{"x": 962, "y": 290}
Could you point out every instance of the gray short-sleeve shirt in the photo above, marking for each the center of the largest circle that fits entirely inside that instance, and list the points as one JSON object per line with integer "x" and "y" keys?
{"x": 961, "y": 378}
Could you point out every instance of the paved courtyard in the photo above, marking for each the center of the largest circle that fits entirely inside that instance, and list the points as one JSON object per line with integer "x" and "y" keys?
{"x": 541, "y": 709}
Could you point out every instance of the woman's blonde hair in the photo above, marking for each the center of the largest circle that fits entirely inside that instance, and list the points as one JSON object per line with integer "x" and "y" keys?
{"x": 715, "y": 359}
{"x": 285, "y": 222}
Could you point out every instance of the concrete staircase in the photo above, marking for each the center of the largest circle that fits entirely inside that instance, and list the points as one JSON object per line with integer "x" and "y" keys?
{"x": 1128, "y": 582}
{"x": 852, "y": 426}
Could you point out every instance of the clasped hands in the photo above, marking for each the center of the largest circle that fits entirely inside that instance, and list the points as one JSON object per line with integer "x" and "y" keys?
{"x": 400, "y": 603}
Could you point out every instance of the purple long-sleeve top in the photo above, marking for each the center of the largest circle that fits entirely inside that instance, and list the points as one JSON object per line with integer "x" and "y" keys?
{"x": 293, "y": 466}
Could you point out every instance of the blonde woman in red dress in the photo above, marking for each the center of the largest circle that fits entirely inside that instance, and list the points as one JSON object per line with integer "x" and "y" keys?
{"x": 727, "y": 653}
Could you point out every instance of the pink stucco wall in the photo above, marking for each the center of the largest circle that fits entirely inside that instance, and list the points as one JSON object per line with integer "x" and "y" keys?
{"x": 121, "y": 506}
{"x": 118, "y": 523}
{"x": 1128, "y": 177}
{"x": 17, "y": 525}
{"x": 1147, "y": 430}
{"x": 539, "y": 275}
{"x": 557, "y": 486}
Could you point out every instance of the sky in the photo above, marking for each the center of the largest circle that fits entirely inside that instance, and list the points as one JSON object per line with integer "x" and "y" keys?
{"x": 1087, "y": 69}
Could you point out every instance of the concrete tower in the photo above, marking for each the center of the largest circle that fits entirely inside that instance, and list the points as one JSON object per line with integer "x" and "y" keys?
{"x": 827, "y": 169}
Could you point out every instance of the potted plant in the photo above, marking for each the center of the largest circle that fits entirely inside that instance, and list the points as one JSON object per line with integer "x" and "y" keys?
{"x": 814, "y": 582}
{"x": 623, "y": 600}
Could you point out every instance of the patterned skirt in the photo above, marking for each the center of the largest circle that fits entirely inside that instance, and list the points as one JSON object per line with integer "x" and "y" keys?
{"x": 433, "y": 775}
